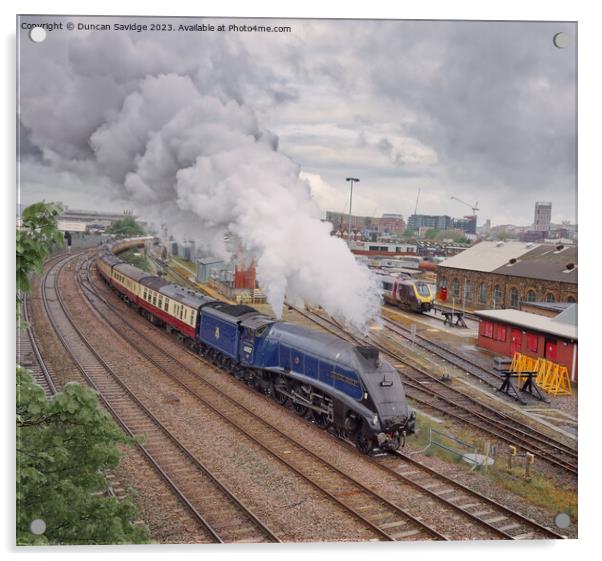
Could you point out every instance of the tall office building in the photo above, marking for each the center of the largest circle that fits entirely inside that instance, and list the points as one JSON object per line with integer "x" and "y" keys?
{"x": 543, "y": 216}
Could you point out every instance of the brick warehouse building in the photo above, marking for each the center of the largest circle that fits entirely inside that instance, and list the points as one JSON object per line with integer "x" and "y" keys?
{"x": 504, "y": 274}
{"x": 505, "y": 332}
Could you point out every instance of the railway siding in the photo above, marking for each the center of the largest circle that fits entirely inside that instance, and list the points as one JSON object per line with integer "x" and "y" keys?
{"x": 433, "y": 499}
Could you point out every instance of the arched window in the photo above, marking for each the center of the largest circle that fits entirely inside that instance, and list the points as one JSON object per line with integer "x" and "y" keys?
{"x": 497, "y": 296}
{"x": 467, "y": 290}
{"x": 513, "y": 297}
{"x": 455, "y": 288}
{"x": 550, "y": 297}
{"x": 483, "y": 293}
{"x": 571, "y": 299}
{"x": 442, "y": 284}
{"x": 531, "y": 296}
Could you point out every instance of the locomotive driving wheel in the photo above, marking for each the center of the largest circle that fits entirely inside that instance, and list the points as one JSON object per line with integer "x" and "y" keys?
{"x": 321, "y": 419}
{"x": 363, "y": 442}
{"x": 277, "y": 395}
{"x": 299, "y": 408}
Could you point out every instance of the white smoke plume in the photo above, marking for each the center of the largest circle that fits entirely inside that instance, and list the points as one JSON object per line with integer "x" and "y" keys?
{"x": 206, "y": 167}
{"x": 176, "y": 138}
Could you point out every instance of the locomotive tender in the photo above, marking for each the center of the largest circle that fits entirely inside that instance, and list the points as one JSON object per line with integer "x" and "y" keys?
{"x": 344, "y": 387}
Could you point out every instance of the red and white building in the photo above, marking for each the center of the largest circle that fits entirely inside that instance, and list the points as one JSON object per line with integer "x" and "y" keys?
{"x": 505, "y": 332}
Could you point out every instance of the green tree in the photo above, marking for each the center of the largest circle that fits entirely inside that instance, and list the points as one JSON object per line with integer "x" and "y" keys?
{"x": 125, "y": 228}
{"x": 64, "y": 444}
{"x": 63, "y": 447}
{"x": 36, "y": 238}
{"x": 431, "y": 234}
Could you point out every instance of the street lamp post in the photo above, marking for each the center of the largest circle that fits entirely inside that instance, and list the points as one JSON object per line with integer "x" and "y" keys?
{"x": 351, "y": 180}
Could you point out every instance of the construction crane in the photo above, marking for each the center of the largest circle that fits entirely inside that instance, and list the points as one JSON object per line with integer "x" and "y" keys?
{"x": 474, "y": 207}
{"x": 417, "y": 197}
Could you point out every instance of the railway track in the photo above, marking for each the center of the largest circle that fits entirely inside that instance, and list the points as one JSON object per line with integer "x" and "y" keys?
{"x": 460, "y": 406}
{"x": 217, "y": 510}
{"x": 430, "y": 391}
{"x": 28, "y": 353}
{"x": 471, "y": 367}
{"x": 495, "y": 520}
{"x": 384, "y": 519}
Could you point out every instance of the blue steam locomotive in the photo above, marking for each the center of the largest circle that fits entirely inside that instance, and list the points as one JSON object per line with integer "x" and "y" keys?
{"x": 346, "y": 388}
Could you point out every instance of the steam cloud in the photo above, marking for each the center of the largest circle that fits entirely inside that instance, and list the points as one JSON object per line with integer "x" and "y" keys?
{"x": 199, "y": 161}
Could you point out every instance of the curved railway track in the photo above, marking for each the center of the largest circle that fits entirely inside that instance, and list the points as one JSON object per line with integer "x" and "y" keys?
{"x": 386, "y": 520}
{"x": 494, "y": 520}
{"x": 218, "y": 512}
{"x": 28, "y": 353}
{"x": 432, "y": 392}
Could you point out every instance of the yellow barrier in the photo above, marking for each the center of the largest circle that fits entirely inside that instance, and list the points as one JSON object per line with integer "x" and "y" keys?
{"x": 551, "y": 377}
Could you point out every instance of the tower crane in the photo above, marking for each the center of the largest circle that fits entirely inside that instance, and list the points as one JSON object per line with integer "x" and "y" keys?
{"x": 474, "y": 207}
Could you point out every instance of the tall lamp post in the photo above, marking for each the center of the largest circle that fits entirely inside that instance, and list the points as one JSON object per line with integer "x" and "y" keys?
{"x": 351, "y": 180}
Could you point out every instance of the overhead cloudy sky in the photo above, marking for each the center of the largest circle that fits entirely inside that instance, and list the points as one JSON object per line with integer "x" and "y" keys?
{"x": 484, "y": 111}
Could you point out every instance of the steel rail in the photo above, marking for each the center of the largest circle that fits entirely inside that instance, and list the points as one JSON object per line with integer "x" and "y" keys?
{"x": 513, "y": 435}
{"x": 200, "y": 466}
{"x": 239, "y": 425}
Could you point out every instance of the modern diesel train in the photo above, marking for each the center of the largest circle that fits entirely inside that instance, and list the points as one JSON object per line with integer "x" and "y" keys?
{"x": 408, "y": 294}
{"x": 344, "y": 387}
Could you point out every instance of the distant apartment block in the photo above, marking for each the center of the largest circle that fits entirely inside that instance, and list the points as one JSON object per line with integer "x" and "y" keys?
{"x": 417, "y": 221}
{"x": 391, "y": 224}
{"x": 424, "y": 222}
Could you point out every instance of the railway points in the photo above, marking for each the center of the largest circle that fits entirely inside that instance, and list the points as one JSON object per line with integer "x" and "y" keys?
{"x": 433, "y": 393}
{"x": 161, "y": 447}
{"x": 500, "y": 530}
{"x": 494, "y": 520}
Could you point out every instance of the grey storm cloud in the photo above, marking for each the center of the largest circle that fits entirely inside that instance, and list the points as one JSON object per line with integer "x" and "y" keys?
{"x": 476, "y": 109}
{"x": 495, "y": 100}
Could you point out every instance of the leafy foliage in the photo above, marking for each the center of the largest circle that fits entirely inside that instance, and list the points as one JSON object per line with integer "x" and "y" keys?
{"x": 36, "y": 238}
{"x": 432, "y": 234}
{"x": 126, "y": 227}
{"x": 63, "y": 447}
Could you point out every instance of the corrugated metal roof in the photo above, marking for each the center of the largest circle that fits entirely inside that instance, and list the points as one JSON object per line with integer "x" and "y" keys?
{"x": 487, "y": 256}
{"x": 532, "y": 321}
